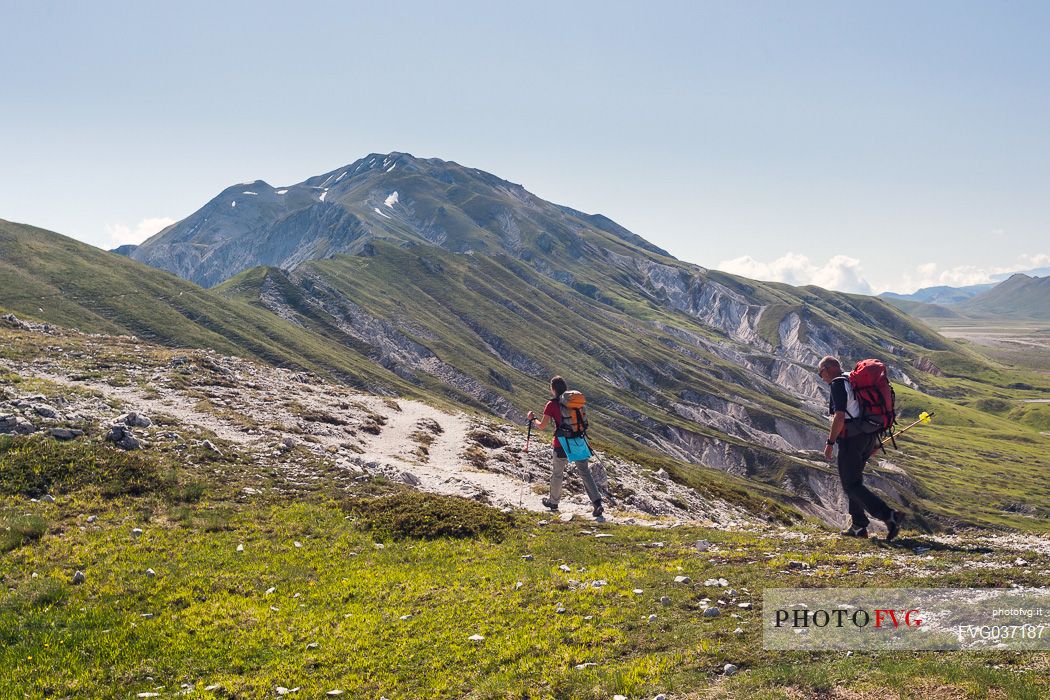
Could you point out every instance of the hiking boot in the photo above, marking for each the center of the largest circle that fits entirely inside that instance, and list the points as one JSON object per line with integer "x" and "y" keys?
{"x": 854, "y": 531}
{"x": 893, "y": 524}
{"x": 549, "y": 504}
{"x": 598, "y": 509}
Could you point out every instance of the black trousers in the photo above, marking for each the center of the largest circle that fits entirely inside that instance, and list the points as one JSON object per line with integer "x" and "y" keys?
{"x": 853, "y": 453}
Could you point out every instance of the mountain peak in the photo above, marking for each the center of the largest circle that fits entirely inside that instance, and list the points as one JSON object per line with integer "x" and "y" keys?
{"x": 1018, "y": 277}
{"x": 394, "y": 196}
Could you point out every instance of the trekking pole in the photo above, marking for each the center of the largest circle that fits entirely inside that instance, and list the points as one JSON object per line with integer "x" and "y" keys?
{"x": 923, "y": 418}
{"x": 521, "y": 486}
{"x": 601, "y": 464}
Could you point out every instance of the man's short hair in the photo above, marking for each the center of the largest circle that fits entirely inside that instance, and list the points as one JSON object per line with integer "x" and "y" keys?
{"x": 829, "y": 362}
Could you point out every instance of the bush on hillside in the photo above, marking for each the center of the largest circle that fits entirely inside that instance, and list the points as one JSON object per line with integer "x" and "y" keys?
{"x": 415, "y": 515}
{"x": 34, "y": 466}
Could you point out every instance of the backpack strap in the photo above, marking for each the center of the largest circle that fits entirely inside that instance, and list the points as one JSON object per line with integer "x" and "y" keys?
{"x": 848, "y": 389}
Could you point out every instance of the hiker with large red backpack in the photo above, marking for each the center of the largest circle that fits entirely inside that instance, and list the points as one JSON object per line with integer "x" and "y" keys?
{"x": 567, "y": 414}
{"x": 862, "y": 408}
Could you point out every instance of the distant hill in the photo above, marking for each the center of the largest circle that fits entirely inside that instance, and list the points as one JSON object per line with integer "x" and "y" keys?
{"x": 1035, "y": 272}
{"x": 943, "y": 295}
{"x": 923, "y": 310}
{"x": 1020, "y": 297}
{"x": 380, "y": 197}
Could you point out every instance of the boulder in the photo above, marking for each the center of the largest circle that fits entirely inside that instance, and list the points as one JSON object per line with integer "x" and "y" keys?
{"x": 133, "y": 419}
{"x": 15, "y": 425}
{"x": 122, "y": 437}
{"x": 45, "y": 411}
{"x": 210, "y": 447}
{"x": 65, "y": 433}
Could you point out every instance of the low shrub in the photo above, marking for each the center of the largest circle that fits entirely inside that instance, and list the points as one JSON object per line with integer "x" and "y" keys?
{"x": 415, "y": 515}
{"x": 476, "y": 456}
{"x": 993, "y": 405}
{"x": 33, "y": 466}
{"x": 487, "y": 439}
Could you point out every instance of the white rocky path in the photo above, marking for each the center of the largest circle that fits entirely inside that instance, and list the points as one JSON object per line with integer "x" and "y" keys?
{"x": 446, "y": 471}
{"x": 275, "y": 416}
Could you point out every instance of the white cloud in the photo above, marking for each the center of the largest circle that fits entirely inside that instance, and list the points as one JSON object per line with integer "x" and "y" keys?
{"x": 1037, "y": 260}
{"x": 122, "y": 234}
{"x": 840, "y": 273}
{"x": 845, "y": 274}
{"x": 932, "y": 275}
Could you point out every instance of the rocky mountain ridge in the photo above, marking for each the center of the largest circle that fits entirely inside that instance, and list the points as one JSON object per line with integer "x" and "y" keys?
{"x": 460, "y": 209}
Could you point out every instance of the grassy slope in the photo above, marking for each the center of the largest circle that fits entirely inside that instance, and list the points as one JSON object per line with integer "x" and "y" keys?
{"x": 243, "y": 623}
{"x": 984, "y": 483}
{"x": 49, "y": 277}
{"x": 558, "y": 326}
{"x": 540, "y": 319}
{"x": 78, "y": 285}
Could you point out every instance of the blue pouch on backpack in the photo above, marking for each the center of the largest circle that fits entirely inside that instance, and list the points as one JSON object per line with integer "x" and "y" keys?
{"x": 576, "y": 449}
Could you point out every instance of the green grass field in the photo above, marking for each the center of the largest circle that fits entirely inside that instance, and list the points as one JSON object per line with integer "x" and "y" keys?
{"x": 381, "y": 597}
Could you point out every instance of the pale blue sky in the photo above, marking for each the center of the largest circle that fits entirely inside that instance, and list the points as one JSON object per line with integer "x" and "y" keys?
{"x": 898, "y": 135}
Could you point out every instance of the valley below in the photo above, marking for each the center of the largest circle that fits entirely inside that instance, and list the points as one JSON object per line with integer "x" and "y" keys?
{"x": 1022, "y": 343}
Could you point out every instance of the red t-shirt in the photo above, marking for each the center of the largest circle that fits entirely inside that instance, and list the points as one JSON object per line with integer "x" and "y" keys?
{"x": 553, "y": 409}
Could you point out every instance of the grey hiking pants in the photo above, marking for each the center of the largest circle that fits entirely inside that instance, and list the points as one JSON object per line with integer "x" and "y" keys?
{"x": 558, "y": 475}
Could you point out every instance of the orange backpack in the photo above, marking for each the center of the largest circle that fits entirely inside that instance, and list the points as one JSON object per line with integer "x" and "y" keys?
{"x": 573, "y": 415}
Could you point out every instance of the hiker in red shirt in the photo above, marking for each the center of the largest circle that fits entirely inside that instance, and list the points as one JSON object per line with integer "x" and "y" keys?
{"x": 552, "y": 415}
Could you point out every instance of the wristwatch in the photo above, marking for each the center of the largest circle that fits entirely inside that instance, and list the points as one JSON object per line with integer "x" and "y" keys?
{"x": 830, "y": 443}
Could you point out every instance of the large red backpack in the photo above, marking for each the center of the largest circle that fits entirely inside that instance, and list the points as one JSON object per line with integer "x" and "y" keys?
{"x": 872, "y": 388}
